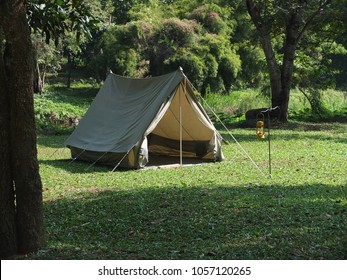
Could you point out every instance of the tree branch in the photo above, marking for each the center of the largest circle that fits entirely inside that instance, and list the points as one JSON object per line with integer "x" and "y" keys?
{"x": 308, "y": 23}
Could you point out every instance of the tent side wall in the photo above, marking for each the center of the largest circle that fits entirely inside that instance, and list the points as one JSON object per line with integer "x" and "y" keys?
{"x": 105, "y": 158}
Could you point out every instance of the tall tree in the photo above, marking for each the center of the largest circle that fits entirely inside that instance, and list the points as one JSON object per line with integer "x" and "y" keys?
{"x": 289, "y": 19}
{"x": 21, "y": 224}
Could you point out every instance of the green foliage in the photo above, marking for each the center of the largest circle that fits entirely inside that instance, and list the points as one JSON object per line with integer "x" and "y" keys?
{"x": 67, "y": 23}
{"x": 48, "y": 56}
{"x": 150, "y": 11}
{"x": 334, "y": 106}
{"x": 313, "y": 65}
{"x": 213, "y": 18}
{"x": 178, "y": 33}
{"x": 58, "y": 110}
{"x": 314, "y": 72}
{"x": 228, "y": 69}
{"x": 253, "y": 68}
{"x": 121, "y": 57}
{"x": 192, "y": 65}
{"x": 172, "y": 46}
{"x": 232, "y": 107}
{"x": 54, "y": 18}
{"x": 122, "y": 8}
{"x": 142, "y": 38}
{"x": 295, "y": 25}
{"x": 142, "y": 47}
{"x": 227, "y": 57}
{"x": 211, "y": 64}
{"x": 122, "y": 50}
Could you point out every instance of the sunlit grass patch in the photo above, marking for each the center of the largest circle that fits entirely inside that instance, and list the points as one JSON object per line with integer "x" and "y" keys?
{"x": 226, "y": 210}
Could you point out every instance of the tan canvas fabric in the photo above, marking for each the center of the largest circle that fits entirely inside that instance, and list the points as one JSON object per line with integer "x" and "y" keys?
{"x": 195, "y": 126}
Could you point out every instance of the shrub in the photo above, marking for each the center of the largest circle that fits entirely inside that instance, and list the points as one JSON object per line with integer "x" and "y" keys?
{"x": 209, "y": 16}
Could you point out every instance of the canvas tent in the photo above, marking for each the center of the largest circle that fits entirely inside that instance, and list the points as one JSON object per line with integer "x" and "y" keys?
{"x": 131, "y": 122}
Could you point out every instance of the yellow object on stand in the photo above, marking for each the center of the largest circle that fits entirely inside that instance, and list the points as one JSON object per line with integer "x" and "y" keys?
{"x": 260, "y": 127}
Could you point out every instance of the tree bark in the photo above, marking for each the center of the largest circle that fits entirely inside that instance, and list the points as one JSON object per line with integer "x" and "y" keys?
{"x": 23, "y": 168}
{"x": 8, "y": 239}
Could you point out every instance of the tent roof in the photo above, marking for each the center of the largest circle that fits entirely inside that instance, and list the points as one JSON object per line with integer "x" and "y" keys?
{"x": 127, "y": 104}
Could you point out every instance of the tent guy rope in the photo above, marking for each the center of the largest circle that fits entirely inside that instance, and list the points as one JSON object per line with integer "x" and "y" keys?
{"x": 229, "y": 132}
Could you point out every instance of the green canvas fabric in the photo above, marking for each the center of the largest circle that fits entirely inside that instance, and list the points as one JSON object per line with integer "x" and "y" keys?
{"x": 121, "y": 112}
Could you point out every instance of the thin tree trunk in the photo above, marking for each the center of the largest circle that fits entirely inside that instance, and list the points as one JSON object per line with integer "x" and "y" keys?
{"x": 38, "y": 83}
{"x": 69, "y": 68}
{"x": 24, "y": 164}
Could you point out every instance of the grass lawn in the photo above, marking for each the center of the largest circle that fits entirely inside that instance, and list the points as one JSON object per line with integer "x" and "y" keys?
{"x": 226, "y": 210}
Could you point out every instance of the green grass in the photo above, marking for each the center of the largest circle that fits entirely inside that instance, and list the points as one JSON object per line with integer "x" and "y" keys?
{"x": 334, "y": 101}
{"x": 334, "y": 104}
{"x": 237, "y": 102}
{"x": 231, "y": 108}
{"x": 226, "y": 210}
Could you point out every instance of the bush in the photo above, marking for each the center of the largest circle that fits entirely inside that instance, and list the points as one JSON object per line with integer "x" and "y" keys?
{"x": 211, "y": 17}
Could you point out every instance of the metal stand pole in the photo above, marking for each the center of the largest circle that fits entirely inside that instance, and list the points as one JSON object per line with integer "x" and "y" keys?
{"x": 268, "y": 129}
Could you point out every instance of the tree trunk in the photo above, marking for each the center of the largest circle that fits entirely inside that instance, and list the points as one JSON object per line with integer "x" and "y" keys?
{"x": 38, "y": 82}
{"x": 280, "y": 79}
{"x": 23, "y": 169}
{"x": 292, "y": 35}
{"x": 265, "y": 40}
{"x": 8, "y": 239}
{"x": 69, "y": 68}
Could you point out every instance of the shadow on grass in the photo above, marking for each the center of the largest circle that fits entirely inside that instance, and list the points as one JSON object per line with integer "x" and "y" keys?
{"x": 201, "y": 222}
{"x": 59, "y": 90}
{"x": 55, "y": 141}
{"x": 79, "y": 167}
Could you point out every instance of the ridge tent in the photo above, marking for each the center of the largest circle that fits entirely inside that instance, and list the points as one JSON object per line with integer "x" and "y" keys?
{"x": 132, "y": 122}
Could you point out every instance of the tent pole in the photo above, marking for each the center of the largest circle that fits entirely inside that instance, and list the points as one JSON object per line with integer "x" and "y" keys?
{"x": 180, "y": 112}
